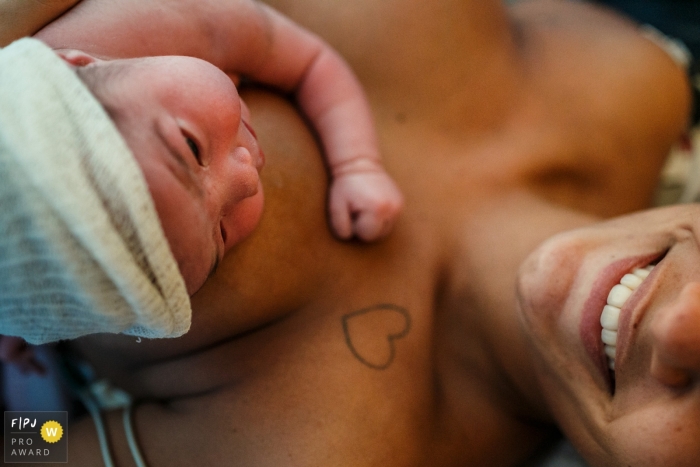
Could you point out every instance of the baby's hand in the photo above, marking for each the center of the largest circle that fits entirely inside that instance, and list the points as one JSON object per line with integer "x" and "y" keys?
{"x": 364, "y": 204}
{"x": 15, "y": 351}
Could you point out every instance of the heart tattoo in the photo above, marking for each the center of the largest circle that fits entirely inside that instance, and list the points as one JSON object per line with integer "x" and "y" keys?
{"x": 371, "y": 332}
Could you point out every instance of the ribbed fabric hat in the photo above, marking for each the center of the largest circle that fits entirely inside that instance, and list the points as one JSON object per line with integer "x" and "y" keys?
{"x": 81, "y": 248}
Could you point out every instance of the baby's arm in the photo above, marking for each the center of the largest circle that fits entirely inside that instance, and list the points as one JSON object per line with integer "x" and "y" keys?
{"x": 246, "y": 38}
{"x": 25, "y": 17}
{"x": 364, "y": 201}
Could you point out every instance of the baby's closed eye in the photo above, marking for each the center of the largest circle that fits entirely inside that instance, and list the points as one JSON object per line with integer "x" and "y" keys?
{"x": 194, "y": 147}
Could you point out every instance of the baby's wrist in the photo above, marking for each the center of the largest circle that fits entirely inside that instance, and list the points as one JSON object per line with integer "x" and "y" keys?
{"x": 357, "y": 165}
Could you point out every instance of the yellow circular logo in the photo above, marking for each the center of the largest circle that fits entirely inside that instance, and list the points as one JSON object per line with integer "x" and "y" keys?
{"x": 51, "y": 431}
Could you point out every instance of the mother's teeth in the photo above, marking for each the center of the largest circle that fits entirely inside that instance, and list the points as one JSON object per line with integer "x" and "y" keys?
{"x": 609, "y": 337}
{"x": 619, "y": 295}
{"x": 610, "y": 351}
{"x": 610, "y": 317}
{"x": 643, "y": 273}
{"x": 631, "y": 281}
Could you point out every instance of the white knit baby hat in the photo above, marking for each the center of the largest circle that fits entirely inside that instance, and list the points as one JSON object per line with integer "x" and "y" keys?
{"x": 81, "y": 247}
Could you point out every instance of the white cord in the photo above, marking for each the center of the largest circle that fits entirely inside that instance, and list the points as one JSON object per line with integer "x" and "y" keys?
{"x": 131, "y": 439}
{"x": 96, "y": 415}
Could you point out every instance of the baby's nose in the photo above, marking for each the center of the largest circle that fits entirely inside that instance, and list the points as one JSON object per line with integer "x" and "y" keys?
{"x": 675, "y": 333}
{"x": 253, "y": 145}
{"x": 246, "y": 158}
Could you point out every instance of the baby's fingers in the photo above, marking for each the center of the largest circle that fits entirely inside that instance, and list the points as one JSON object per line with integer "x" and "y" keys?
{"x": 377, "y": 220}
{"x": 16, "y": 351}
{"x": 364, "y": 205}
{"x": 13, "y": 349}
{"x": 341, "y": 217}
{"x": 369, "y": 226}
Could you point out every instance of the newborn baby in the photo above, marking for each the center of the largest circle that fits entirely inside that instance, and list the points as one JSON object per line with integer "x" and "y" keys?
{"x": 190, "y": 133}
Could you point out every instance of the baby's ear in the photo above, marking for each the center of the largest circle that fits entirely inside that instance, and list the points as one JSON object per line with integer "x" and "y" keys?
{"x": 76, "y": 58}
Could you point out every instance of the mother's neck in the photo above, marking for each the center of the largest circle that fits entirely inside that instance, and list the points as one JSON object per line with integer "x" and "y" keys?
{"x": 500, "y": 236}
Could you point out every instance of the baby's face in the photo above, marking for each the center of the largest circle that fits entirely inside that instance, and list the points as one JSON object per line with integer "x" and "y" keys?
{"x": 187, "y": 128}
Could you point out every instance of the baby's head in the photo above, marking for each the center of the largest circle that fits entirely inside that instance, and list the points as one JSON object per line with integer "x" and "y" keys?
{"x": 187, "y": 127}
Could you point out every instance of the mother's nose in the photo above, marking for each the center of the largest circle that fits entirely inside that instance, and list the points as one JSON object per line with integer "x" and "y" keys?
{"x": 675, "y": 333}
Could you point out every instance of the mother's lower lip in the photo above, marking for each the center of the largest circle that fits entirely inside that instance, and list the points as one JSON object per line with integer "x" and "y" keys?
{"x": 590, "y": 327}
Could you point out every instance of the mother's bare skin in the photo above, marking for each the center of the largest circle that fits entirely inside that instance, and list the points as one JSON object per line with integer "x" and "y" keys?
{"x": 501, "y": 127}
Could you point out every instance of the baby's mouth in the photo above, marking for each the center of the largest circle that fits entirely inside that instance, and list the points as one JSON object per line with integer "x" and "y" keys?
{"x": 250, "y": 128}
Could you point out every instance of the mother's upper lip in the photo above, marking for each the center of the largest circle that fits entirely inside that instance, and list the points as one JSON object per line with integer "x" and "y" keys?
{"x": 590, "y": 326}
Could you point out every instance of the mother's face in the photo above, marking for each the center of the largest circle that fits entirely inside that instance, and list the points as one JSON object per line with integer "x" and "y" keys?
{"x": 645, "y": 411}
